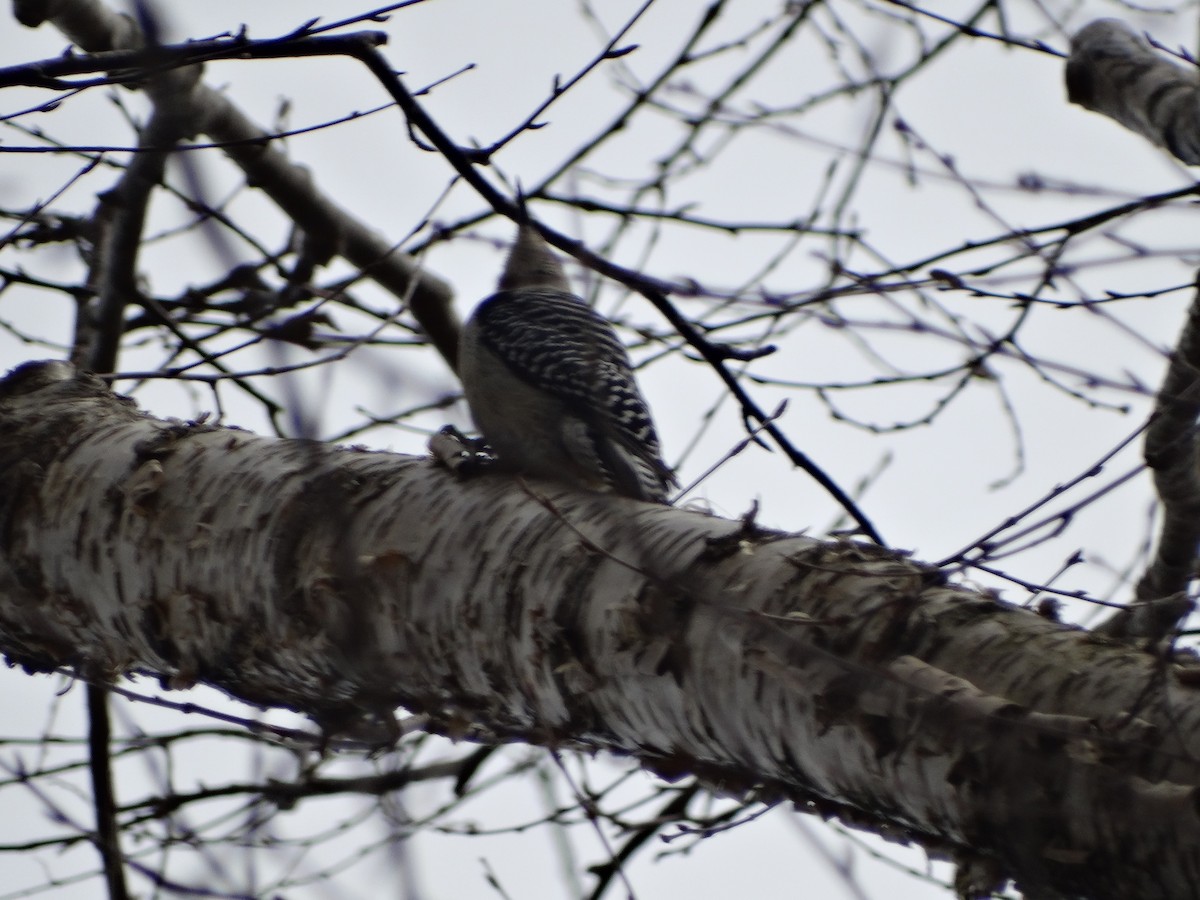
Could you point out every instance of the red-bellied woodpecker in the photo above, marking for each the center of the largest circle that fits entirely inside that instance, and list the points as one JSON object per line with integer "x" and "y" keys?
{"x": 550, "y": 385}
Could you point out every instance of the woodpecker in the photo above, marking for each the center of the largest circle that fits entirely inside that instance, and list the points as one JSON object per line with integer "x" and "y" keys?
{"x": 550, "y": 385}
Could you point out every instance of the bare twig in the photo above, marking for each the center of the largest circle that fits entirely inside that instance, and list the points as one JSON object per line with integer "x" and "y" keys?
{"x": 97, "y": 29}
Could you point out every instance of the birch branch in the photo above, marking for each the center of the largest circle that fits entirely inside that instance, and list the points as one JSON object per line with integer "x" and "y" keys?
{"x": 1113, "y": 70}
{"x": 1173, "y": 454}
{"x": 836, "y": 675}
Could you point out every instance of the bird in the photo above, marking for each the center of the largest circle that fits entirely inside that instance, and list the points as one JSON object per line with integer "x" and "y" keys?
{"x": 550, "y": 385}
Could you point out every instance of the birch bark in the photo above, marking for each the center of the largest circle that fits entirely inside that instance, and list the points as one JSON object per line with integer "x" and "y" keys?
{"x": 1113, "y": 70}
{"x": 344, "y": 583}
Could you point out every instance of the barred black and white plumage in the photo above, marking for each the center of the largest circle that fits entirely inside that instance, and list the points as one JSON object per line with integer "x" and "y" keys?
{"x": 1115, "y": 71}
{"x": 551, "y": 387}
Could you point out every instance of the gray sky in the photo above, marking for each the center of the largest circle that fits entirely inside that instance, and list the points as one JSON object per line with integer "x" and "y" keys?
{"x": 976, "y": 121}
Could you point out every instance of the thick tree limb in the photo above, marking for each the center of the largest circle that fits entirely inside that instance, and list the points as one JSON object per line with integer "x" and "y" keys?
{"x": 1173, "y": 454}
{"x": 1113, "y": 70}
{"x": 838, "y": 675}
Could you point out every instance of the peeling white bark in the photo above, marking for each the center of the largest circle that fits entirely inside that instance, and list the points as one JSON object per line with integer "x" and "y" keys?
{"x": 343, "y": 582}
{"x": 1113, "y": 70}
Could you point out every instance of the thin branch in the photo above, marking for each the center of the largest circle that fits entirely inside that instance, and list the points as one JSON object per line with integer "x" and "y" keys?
{"x": 108, "y": 832}
{"x": 133, "y": 67}
{"x": 97, "y": 29}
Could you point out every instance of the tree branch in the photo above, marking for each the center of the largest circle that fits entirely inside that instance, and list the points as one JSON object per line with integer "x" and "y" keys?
{"x": 834, "y": 674}
{"x": 1114, "y": 71}
{"x": 1172, "y": 452}
{"x": 108, "y": 833}
{"x": 97, "y": 29}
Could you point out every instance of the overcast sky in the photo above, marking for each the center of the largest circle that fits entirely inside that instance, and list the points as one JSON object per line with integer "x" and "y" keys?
{"x": 977, "y": 124}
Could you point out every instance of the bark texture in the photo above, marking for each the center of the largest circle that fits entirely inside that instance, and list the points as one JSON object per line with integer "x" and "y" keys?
{"x": 1173, "y": 454}
{"x": 1115, "y": 71}
{"x": 843, "y": 677}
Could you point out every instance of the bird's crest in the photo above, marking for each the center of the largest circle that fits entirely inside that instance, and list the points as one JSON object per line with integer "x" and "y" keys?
{"x": 532, "y": 264}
